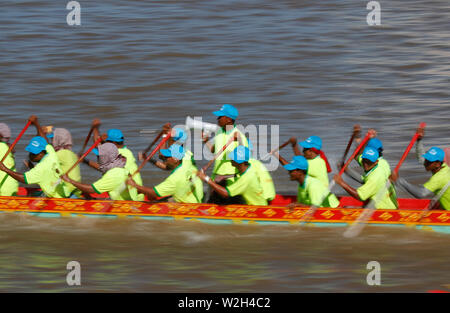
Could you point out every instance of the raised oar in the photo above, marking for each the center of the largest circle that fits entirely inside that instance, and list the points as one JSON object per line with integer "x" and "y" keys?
{"x": 356, "y": 228}
{"x": 310, "y": 213}
{"x": 218, "y": 154}
{"x": 162, "y": 142}
{"x": 11, "y": 147}
{"x": 141, "y": 155}
{"x": 349, "y": 144}
{"x": 265, "y": 157}
{"x": 86, "y": 140}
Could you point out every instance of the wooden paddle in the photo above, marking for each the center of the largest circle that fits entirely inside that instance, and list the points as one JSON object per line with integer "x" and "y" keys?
{"x": 356, "y": 228}
{"x": 11, "y": 147}
{"x": 310, "y": 213}
{"x": 86, "y": 140}
{"x": 265, "y": 157}
{"x": 162, "y": 142}
{"x": 349, "y": 144}
{"x": 141, "y": 155}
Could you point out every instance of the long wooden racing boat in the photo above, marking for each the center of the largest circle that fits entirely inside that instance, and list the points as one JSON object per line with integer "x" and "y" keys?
{"x": 409, "y": 214}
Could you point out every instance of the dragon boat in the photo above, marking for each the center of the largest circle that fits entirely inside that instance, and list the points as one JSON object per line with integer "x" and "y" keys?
{"x": 409, "y": 214}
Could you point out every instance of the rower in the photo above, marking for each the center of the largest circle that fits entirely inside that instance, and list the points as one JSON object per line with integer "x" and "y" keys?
{"x": 317, "y": 161}
{"x": 224, "y": 173}
{"x": 376, "y": 144}
{"x": 247, "y": 183}
{"x": 311, "y": 191}
{"x": 61, "y": 140}
{"x": 264, "y": 176}
{"x": 181, "y": 185}
{"x": 112, "y": 165}
{"x": 8, "y": 185}
{"x": 178, "y": 136}
{"x": 115, "y": 136}
{"x": 434, "y": 163}
{"x": 374, "y": 178}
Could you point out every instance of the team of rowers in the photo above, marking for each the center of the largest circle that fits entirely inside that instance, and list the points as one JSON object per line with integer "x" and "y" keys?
{"x": 237, "y": 177}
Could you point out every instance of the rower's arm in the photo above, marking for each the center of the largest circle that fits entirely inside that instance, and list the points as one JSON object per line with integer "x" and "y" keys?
{"x": 82, "y": 187}
{"x": 280, "y": 158}
{"x": 149, "y": 192}
{"x": 40, "y": 132}
{"x": 219, "y": 189}
{"x": 419, "y": 152}
{"x": 17, "y": 176}
{"x": 418, "y": 192}
{"x": 354, "y": 175}
{"x": 92, "y": 164}
{"x": 350, "y": 190}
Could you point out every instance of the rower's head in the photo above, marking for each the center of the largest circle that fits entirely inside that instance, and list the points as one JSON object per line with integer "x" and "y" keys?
{"x": 173, "y": 156}
{"x": 49, "y": 131}
{"x": 108, "y": 157}
{"x": 369, "y": 158}
{"x": 227, "y": 115}
{"x": 298, "y": 168}
{"x": 115, "y": 136}
{"x": 36, "y": 148}
{"x": 239, "y": 157}
{"x": 177, "y": 135}
{"x": 376, "y": 144}
{"x": 311, "y": 147}
{"x": 5, "y": 133}
{"x": 433, "y": 159}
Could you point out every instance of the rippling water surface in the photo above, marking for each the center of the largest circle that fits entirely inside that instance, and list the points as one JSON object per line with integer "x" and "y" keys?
{"x": 311, "y": 67}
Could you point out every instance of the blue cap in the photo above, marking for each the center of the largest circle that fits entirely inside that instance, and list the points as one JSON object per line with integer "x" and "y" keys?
{"x": 50, "y": 135}
{"x": 312, "y": 142}
{"x": 36, "y": 145}
{"x": 174, "y": 151}
{"x": 375, "y": 143}
{"x": 370, "y": 154}
{"x": 179, "y": 135}
{"x": 227, "y": 110}
{"x": 299, "y": 162}
{"x": 434, "y": 154}
{"x": 240, "y": 155}
{"x": 114, "y": 135}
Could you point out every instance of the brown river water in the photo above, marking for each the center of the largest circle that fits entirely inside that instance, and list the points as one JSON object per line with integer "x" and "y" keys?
{"x": 310, "y": 67}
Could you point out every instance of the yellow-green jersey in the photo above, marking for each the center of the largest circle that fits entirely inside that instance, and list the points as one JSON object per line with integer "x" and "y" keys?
{"x": 384, "y": 165}
{"x": 8, "y": 185}
{"x": 374, "y": 188}
{"x": 67, "y": 159}
{"x": 47, "y": 175}
{"x": 439, "y": 181}
{"x": 313, "y": 192}
{"x": 132, "y": 167}
{"x": 249, "y": 187}
{"x": 182, "y": 184}
{"x": 114, "y": 183}
{"x": 317, "y": 168}
{"x": 222, "y": 165}
{"x": 265, "y": 179}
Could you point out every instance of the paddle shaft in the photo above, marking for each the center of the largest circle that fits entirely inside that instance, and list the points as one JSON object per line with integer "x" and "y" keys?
{"x": 348, "y": 147}
{"x": 154, "y": 141}
{"x": 162, "y": 142}
{"x": 87, "y": 139}
{"x": 11, "y": 147}
{"x": 230, "y": 141}
{"x": 96, "y": 143}
{"x": 363, "y": 142}
{"x": 411, "y": 144}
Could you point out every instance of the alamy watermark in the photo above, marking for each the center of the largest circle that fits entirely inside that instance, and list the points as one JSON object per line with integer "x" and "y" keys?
{"x": 374, "y": 276}
{"x": 374, "y": 16}
{"x": 73, "y": 278}
{"x": 262, "y": 139}
{"x": 74, "y": 16}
